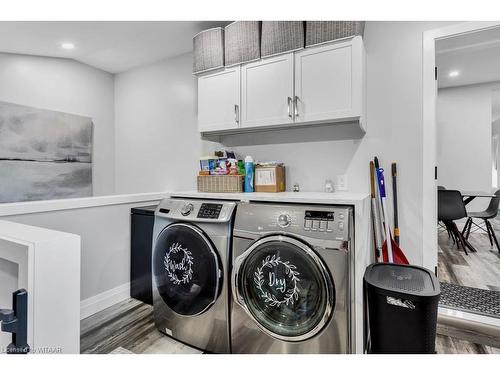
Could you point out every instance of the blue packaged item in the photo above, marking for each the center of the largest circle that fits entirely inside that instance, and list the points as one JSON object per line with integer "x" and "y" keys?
{"x": 249, "y": 174}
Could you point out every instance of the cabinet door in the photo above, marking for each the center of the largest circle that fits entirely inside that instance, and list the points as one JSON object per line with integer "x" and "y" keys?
{"x": 267, "y": 92}
{"x": 328, "y": 82}
{"x": 219, "y": 100}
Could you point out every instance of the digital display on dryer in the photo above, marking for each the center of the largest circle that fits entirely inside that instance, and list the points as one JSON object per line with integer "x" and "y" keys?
{"x": 209, "y": 211}
{"x": 319, "y": 215}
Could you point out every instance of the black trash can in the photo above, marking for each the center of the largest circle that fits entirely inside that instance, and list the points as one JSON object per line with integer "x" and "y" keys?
{"x": 402, "y": 303}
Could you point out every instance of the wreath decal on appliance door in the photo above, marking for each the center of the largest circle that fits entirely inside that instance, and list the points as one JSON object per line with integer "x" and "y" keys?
{"x": 291, "y": 295}
{"x": 185, "y": 265}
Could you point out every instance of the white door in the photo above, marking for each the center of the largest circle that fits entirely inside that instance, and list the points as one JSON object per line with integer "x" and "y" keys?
{"x": 328, "y": 82}
{"x": 267, "y": 92}
{"x": 219, "y": 100}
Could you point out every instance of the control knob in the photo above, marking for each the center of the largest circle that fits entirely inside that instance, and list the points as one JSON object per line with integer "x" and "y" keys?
{"x": 187, "y": 209}
{"x": 284, "y": 220}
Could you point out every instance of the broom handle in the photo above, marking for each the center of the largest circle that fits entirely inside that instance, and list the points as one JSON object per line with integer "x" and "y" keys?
{"x": 381, "y": 186}
{"x": 375, "y": 214}
{"x": 395, "y": 201}
{"x": 387, "y": 233}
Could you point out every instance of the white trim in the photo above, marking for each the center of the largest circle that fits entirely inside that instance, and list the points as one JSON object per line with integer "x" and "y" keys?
{"x": 444, "y": 312}
{"x": 429, "y": 159}
{"x": 101, "y": 301}
{"x": 20, "y": 208}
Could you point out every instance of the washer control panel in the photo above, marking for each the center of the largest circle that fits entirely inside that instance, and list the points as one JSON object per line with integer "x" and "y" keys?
{"x": 209, "y": 211}
{"x": 196, "y": 210}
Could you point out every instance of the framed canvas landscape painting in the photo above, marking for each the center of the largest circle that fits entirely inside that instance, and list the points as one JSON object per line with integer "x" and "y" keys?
{"x": 43, "y": 154}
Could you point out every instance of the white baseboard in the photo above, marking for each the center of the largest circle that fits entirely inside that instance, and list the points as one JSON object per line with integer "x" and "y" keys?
{"x": 103, "y": 300}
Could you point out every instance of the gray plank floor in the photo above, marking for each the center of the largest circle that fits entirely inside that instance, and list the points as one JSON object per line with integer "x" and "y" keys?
{"x": 128, "y": 327}
{"x": 478, "y": 270}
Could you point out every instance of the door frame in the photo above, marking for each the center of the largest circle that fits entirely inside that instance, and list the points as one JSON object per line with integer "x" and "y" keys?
{"x": 429, "y": 152}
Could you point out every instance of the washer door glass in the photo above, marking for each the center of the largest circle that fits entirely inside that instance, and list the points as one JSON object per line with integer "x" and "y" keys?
{"x": 186, "y": 269}
{"x": 286, "y": 288}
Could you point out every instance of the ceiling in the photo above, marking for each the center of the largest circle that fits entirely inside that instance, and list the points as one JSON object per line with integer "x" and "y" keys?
{"x": 113, "y": 46}
{"x": 475, "y": 56}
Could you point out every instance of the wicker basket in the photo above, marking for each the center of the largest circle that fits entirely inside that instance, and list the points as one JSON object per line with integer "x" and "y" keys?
{"x": 221, "y": 184}
{"x": 281, "y": 36}
{"x": 318, "y": 32}
{"x": 208, "y": 50}
{"x": 241, "y": 42}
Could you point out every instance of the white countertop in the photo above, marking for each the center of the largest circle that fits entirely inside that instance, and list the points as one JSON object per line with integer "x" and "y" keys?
{"x": 291, "y": 197}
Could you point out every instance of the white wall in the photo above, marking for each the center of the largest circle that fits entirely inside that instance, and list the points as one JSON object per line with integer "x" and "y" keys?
{"x": 157, "y": 144}
{"x": 66, "y": 86}
{"x": 464, "y": 131}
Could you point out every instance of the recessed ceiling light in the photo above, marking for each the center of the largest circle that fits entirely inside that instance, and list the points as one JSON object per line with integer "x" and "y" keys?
{"x": 454, "y": 73}
{"x": 67, "y": 45}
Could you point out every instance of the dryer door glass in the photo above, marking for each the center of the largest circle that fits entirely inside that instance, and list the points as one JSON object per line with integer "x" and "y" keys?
{"x": 286, "y": 288}
{"x": 186, "y": 269}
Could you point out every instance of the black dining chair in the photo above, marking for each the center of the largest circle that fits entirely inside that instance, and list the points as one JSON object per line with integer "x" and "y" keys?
{"x": 451, "y": 207}
{"x": 441, "y": 226}
{"x": 490, "y": 213}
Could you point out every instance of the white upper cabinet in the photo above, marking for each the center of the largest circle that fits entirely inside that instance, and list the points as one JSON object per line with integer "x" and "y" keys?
{"x": 219, "y": 100}
{"x": 321, "y": 84}
{"x": 267, "y": 92}
{"x": 329, "y": 82}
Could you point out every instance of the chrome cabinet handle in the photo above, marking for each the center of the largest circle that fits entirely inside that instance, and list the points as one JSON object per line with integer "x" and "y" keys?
{"x": 296, "y": 106}
{"x": 288, "y": 101}
{"x": 237, "y": 114}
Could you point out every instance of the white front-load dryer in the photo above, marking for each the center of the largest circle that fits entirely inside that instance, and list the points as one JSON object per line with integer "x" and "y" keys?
{"x": 190, "y": 265}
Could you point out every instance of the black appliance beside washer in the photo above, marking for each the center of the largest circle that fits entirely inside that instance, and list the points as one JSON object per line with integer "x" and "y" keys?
{"x": 141, "y": 240}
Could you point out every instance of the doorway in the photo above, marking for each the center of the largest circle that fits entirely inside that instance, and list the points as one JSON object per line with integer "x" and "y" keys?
{"x": 461, "y": 148}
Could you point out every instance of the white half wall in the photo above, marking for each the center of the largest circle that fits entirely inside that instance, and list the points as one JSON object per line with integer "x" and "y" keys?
{"x": 464, "y": 136}
{"x": 158, "y": 145}
{"x": 105, "y": 237}
{"x": 67, "y": 86}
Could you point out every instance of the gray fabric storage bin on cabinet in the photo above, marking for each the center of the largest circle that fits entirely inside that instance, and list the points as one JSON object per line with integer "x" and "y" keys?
{"x": 281, "y": 36}
{"x": 241, "y": 42}
{"x": 318, "y": 32}
{"x": 208, "y": 50}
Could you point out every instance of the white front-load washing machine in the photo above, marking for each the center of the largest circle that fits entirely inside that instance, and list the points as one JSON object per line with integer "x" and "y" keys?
{"x": 291, "y": 279}
{"x": 190, "y": 265}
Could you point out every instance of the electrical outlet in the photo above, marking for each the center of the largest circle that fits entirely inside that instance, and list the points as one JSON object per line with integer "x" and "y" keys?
{"x": 342, "y": 182}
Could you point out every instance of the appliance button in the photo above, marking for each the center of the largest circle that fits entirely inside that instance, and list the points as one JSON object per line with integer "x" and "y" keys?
{"x": 315, "y": 225}
{"x": 329, "y": 226}
{"x": 187, "y": 209}
{"x": 341, "y": 225}
{"x": 341, "y": 216}
{"x": 322, "y": 225}
{"x": 307, "y": 224}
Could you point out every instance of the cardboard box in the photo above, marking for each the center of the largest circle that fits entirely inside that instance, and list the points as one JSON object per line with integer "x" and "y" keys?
{"x": 270, "y": 179}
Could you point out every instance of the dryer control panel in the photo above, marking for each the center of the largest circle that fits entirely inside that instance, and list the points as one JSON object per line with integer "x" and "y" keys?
{"x": 324, "y": 222}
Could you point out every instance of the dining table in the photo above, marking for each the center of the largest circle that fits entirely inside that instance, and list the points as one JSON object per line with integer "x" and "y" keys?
{"x": 469, "y": 195}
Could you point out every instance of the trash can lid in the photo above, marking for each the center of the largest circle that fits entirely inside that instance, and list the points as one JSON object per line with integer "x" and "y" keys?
{"x": 402, "y": 278}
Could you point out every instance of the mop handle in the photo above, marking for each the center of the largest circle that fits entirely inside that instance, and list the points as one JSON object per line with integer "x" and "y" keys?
{"x": 381, "y": 186}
